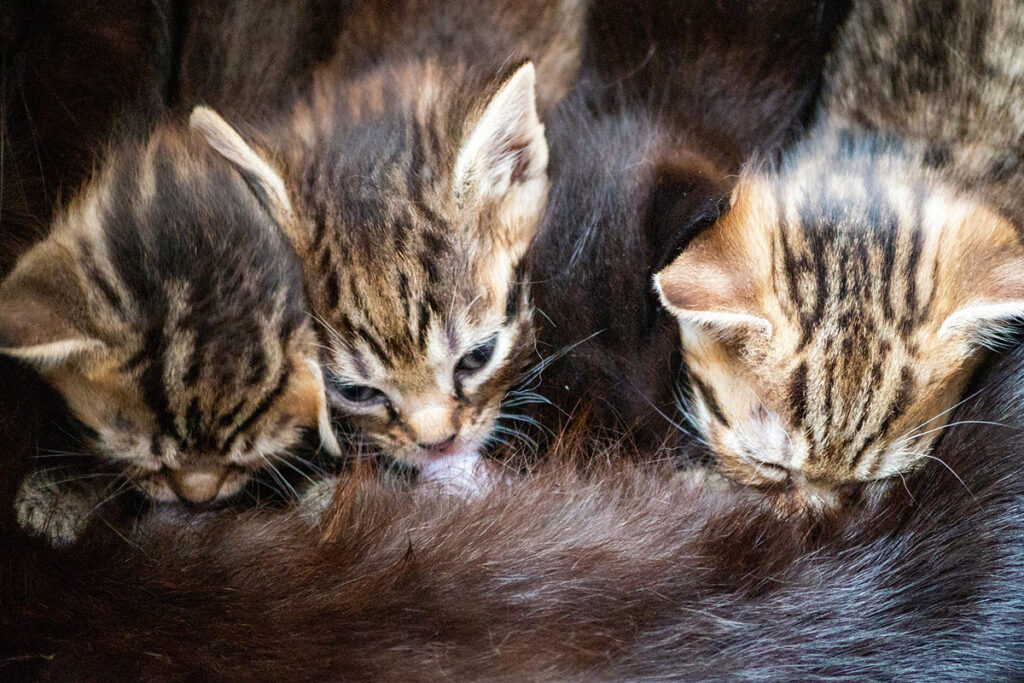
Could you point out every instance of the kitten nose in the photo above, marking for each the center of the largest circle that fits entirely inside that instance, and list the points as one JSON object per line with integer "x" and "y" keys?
{"x": 196, "y": 486}
{"x": 439, "y": 447}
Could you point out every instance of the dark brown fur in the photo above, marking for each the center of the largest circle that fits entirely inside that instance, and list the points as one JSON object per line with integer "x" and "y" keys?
{"x": 559, "y": 577}
{"x": 70, "y": 74}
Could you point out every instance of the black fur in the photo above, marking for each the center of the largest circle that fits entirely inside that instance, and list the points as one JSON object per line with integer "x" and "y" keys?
{"x": 71, "y": 72}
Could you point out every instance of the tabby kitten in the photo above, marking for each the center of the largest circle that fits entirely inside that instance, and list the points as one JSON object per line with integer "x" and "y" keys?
{"x": 420, "y": 176}
{"x": 167, "y": 308}
{"x": 832, "y": 319}
{"x": 644, "y": 152}
{"x": 417, "y": 166}
{"x": 414, "y": 202}
{"x": 418, "y": 215}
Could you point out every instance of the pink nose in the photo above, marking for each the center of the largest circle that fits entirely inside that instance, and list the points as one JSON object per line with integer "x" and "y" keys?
{"x": 196, "y": 486}
{"x": 439, "y": 448}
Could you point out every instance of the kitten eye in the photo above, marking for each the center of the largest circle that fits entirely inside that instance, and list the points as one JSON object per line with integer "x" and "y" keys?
{"x": 362, "y": 394}
{"x": 359, "y": 394}
{"x": 477, "y": 358}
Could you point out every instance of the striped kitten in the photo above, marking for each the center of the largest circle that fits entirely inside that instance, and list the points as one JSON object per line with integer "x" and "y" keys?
{"x": 167, "y": 308}
{"x": 420, "y": 177}
{"x": 418, "y": 210}
{"x": 416, "y": 191}
{"x": 833, "y": 318}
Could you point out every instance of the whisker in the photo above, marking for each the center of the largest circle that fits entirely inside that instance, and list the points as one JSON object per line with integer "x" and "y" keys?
{"x": 465, "y": 312}
{"x": 121, "y": 488}
{"x": 952, "y": 471}
{"x": 524, "y": 419}
{"x": 528, "y": 440}
{"x": 953, "y": 424}
{"x": 539, "y": 367}
{"x": 287, "y": 462}
{"x": 280, "y": 477}
{"x": 947, "y": 410}
{"x": 84, "y": 477}
{"x": 907, "y": 488}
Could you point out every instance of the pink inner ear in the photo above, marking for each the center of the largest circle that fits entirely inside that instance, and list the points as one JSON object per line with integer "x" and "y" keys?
{"x": 517, "y": 149}
{"x": 25, "y": 323}
{"x": 692, "y": 284}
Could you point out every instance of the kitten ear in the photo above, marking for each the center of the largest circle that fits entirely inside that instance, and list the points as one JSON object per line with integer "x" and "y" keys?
{"x": 713, "y": 285}
{"x": 263, "y": 180}
{"x": 506, "y": 145}
{"x": 504, "y": 158}
{"x": 323, "y": 417}
{"x": 689, "y": 193}
{"x": 40, "y": 303}
{"x": 981, "y": 274}
{"x": 502, "y": 163}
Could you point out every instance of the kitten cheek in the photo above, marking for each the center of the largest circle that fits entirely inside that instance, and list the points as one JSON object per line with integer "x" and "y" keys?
{"x": 233, "y": 483}
{"x": 157, "y": 488}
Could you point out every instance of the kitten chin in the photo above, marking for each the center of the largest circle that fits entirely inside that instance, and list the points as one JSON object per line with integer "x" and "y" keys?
{"x": 466, "y": 474}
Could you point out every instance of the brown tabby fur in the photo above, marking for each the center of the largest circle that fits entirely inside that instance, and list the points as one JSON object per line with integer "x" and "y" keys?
{"x": 833, "y": 318}
{"x": 674, "y": 97}
{"x": 416, "y": 167}
{"x": 167, "y": 308}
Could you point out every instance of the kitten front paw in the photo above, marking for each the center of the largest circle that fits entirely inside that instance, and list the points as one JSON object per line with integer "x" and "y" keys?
{"x": 46, "y": 507}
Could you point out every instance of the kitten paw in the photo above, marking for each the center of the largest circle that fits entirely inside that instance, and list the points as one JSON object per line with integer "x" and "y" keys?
{"x": 47, "y": 508}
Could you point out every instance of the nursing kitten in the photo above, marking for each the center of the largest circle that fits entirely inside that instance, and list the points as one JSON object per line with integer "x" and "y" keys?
{"x": 675, "y": 96}
{"x": 833, "y": 318}
{"x": 420, "y": 215}
{"x": 417, "y": 175}
{"x": 167, "y": 308}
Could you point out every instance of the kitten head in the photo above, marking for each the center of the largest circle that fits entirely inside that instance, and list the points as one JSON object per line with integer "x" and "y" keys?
{"x": 416, "y": 205}
{"x": 831, "y": 325}
{"x": 167, "y": 308}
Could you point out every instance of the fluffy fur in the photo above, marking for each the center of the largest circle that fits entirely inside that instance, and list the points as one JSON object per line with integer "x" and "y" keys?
{"x": 833, "y": 318}
{"x": 673, "y": 98}
{"x": 53, "y": 127}
{"x": 167, "y": 308}
{"x": 416, "y": 166}
{"x": 631, "y": 575}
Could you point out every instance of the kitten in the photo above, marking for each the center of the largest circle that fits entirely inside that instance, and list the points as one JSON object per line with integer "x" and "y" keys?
{"x": 166, "y": 306}
{"x": 417, "y": 172}
{"x": 626, "y": 576}
{"x": 832, "y": 319}
{"x": 674, "y": 98}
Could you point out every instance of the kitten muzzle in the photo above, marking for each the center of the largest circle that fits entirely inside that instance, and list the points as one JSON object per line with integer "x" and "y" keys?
{"x": 201, "y": 486}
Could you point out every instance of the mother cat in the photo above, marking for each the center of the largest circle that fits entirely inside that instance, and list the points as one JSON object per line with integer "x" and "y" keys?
{"x": 633, "y": 578}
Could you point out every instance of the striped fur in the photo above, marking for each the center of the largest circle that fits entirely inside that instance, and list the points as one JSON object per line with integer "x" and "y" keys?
{"x": 832, "y": 319}
{"x": 167, "y": 308}
{"x": 412, "y": 266}
{"x": 417, "y": 166}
